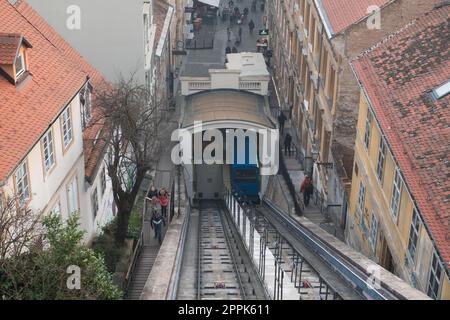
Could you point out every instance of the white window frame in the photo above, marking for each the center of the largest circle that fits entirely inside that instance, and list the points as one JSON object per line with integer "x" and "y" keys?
{"x": 396, "y": 194}
{"x": 21, "y": 58}
{"x": 103, "y": 182}
{"x": 368, "y": 131}
{"x": 435, "y": 275}
{"x": 361, "y": 199}
{"x": 22, "y": 183}
{"x": 373, "y": 231}
{"x": 414, "y": 233}
{"x": 86, "y": 105}
{"x": 48, "y": 151}
{"x": 66, "y": 127}
{"x": 56, "y": 209}
{"x": 381, "y": 160}
{"x": 94, "y": 202}
{"x": 72, "y": 196}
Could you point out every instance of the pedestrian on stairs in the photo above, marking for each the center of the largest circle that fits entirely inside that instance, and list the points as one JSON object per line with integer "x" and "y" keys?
{"x": 287, "y": 144}
{"x": 307, "y": 188}
{"x": 157, "y": 223}
{"x": 163, "y": 201}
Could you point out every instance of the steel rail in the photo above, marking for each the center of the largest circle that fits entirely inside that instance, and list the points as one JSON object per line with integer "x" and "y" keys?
{"x": 227, "y": 229}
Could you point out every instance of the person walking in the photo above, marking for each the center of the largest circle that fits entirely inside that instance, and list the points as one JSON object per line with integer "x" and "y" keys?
{"x": 287, "y": 144}
{"x": 240, "y": 34}
{"x": 281, "y": 121}
{"x": 152, "y": 193}
{"x": 228, "y": 50}
{"x": 234, "y": 50}
{"x": 163, "y": 201}
{"x": 229, "y": 34}
{"x": 251, "y": 26}
{"x": 157, "y": 223}
{"x": 307, "y": 188}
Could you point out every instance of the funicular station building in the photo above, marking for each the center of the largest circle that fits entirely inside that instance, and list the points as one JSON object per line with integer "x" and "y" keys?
{"x": 234, "y": 101}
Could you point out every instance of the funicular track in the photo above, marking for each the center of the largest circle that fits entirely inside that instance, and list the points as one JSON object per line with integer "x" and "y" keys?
{"x": 223, "y": 270}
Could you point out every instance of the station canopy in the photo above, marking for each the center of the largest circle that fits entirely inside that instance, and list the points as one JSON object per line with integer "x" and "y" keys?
{"x": 227, "y": 106}
{"x": 214, "y": 3}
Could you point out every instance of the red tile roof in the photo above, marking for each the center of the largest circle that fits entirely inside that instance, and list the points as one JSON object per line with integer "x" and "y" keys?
{"x": 340, "y": 14}
{"x": 58, "y": 73}
{"x": 398, "y": 75}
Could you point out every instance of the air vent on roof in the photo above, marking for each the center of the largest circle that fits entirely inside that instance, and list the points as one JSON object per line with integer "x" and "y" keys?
{"x": 12, "y": 2}
{"x": 441, "y": 91}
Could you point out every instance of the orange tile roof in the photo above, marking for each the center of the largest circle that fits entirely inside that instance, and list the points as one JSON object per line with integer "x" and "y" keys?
{"x": 340, "y": 14}
{"x": 398, "y": 76}
{"x": 58, "y": 73}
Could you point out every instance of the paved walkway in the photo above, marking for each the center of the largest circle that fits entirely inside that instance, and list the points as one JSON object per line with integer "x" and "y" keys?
{"x": 199, "y": 61}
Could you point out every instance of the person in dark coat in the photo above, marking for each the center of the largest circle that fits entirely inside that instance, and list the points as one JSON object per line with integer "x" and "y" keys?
{"x": 307, "y": 188}
{"x": 228, "y": 50}
{"x": 287, "y": 144}
{"x": 234, "y": 50}
{"x": 157, "y": 224}
{"x": 251, "y": 26}
{"x": 281, "y": 121}
{"x": 153, "y": 192}
{"x": 240, "y": 34}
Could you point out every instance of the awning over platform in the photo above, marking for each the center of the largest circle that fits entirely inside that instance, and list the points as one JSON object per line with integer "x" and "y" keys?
{"x": 214, "y": 3}
{"x": 227, "y": 106}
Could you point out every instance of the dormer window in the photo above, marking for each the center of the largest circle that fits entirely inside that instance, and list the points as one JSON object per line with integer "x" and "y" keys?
{"x": 13, "y": 57}
{"x": 20, "y": 65}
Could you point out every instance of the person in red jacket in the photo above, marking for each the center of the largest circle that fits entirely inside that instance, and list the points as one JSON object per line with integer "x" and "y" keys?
{"x": 307, "y": 188}
{"x": 163, "y": 201}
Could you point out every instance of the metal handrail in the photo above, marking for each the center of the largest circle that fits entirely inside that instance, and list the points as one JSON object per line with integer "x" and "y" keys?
{"x": 173, "y": 291}
{"x": 331, "y": 256}
{"x": 136, "y": 253}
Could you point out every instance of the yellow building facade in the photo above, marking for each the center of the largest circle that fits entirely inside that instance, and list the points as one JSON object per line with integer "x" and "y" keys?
{"x": 383, "y": 222}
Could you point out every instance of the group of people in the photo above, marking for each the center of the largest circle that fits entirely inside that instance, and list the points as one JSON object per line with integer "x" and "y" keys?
{"x": 159, "y": 201}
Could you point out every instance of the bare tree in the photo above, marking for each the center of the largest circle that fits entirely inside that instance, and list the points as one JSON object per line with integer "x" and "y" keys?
{"x": 20, "y": 229}
{"x": 130, "y": 119}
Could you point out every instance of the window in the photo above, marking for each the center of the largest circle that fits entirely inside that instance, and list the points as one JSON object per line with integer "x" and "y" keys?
{"x": 396, "y": 190}
{"x": 381, "y": 160}
{"x": 66, "y": 125}
{"x": 441, "y": 91}
{"x": 94, "y": 201}
{"x": 22, "y": 183}
{"x": 414, "y": 235}
{"x": 49, "y": 155}
{"x": 361, "y": 199}
{"x": 56, "y": 209}
{"x": 368, "y": 129}
{"x": 373, "y": 231}
{"x": 103, "y": 182}
{"x": 72, "y": 194}
{"x": 435, "y": 277}
{"x": 85, "y": 101}
{"x": 20, "y": 65}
